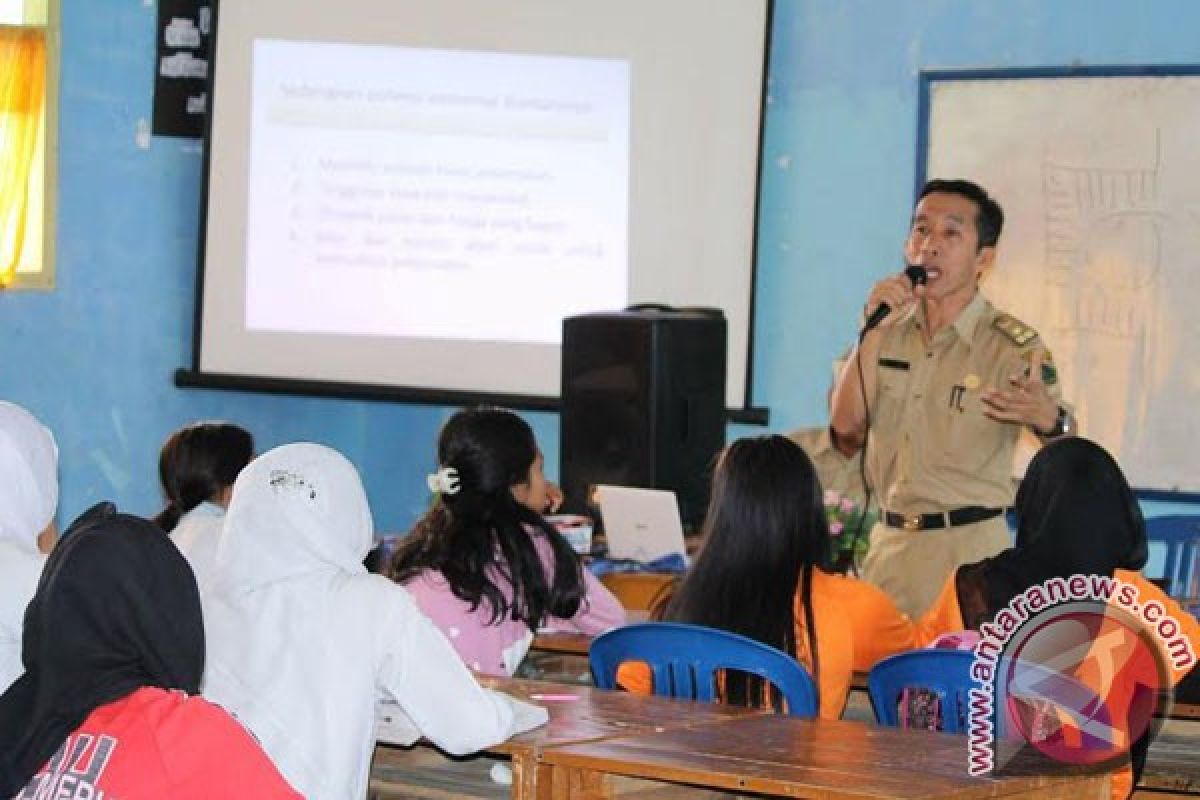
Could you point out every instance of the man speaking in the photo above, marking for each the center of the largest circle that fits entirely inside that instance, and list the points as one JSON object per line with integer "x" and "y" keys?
{"x": 937, "y": 390}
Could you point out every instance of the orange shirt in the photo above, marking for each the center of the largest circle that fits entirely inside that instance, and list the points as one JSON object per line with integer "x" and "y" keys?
{"x": 944, "y": 616}
{"x": 857, "y": 624}
{"x": 1189, "y": 625}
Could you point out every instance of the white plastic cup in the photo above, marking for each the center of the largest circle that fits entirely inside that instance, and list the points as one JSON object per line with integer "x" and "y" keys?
{"x": 575, "y": 528}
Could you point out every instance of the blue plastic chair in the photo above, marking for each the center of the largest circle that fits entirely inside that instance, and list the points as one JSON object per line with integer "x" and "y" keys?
{"x": 685, "y": 660}
{"x": 1181, "y": 534}
{"x": 946, "y": 673}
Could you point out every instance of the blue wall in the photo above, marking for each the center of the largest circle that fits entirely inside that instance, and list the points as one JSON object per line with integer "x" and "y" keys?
{"x": 94, "y": 358}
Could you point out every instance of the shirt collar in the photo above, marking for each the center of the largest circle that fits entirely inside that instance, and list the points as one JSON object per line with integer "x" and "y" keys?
{"x": 967, "y": 321}
{"x": 209, "y": 509}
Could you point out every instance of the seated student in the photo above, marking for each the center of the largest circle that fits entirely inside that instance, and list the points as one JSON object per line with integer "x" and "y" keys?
{"x": 1076, "y": 516}
{"x": 483, "y": 563}
{"x": 107, "y": 706}
{"x": 28, "y": 499}
{"x": 303, "y": 641}
{"x": 197, "y": 466}
{"x": 760, "y": 573}
{"x": 835, "y": 469}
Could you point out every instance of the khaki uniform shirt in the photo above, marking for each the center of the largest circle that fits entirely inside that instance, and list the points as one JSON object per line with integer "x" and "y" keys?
{"x": 834, "y": 469}
{"x": 932, "y": 449}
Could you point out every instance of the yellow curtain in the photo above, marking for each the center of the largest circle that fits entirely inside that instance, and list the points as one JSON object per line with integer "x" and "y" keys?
{"x": 22, "y": 105}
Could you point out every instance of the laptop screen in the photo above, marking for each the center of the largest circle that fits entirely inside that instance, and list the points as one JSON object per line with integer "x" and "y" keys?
{"x": 640, "y": 524}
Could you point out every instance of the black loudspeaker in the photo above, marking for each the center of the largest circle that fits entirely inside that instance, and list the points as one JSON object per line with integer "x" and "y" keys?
{"x": 643, "y": 404}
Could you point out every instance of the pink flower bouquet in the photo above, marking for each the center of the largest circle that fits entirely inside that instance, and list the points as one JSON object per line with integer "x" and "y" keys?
{"x": 844, "y": 516}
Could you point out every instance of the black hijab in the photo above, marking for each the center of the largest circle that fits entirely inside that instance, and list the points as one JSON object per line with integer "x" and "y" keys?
{"x": 116, "y": 609}
{"x": 1076, "y": 515}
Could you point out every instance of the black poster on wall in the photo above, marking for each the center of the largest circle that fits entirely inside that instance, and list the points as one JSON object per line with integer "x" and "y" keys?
{"x": 181, "y": 68}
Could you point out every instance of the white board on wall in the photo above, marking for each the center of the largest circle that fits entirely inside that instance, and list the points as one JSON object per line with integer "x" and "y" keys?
{"x": 1099, "y": 178}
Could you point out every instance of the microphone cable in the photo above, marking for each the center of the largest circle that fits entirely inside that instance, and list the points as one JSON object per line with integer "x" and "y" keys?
{"x": 919, "y": 277}
{"x": 862, "y": 456}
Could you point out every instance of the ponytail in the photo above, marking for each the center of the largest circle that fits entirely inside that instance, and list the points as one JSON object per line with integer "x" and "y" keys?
{"x": 168, "y": 518}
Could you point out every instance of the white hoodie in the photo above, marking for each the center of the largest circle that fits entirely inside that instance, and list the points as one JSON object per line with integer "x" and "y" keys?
{"x": 28, "y": 499}
{"x": 302, "y": 641}
{"x": 196, "y": 535}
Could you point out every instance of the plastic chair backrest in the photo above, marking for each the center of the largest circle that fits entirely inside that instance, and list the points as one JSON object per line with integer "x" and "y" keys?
{"x": 1181, "y": 534}
{"x": 686, "y": 660}
{"x": 944, "y": 673}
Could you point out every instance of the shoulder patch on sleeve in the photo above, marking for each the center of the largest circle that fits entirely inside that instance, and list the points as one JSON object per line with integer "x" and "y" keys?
{"x": 1049, "y": 370}
{"x": 1014, "y": 330}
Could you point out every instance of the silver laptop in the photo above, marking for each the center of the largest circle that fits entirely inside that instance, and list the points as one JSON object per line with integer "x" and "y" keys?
{"x": 640, "y": 524}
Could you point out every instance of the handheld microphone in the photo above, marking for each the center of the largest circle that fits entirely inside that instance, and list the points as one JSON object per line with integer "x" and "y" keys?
{"x": 917, "y": 275}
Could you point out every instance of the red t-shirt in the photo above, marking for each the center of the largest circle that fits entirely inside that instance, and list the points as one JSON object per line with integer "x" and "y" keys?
{"x": 156, "y": 743}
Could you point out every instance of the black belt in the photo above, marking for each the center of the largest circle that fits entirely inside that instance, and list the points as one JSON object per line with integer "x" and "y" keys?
{"x": 944, "y": 519}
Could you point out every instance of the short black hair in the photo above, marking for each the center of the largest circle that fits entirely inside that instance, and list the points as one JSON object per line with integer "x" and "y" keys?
{"x": 197, "y": 462}
{"x": 989, "y": 217}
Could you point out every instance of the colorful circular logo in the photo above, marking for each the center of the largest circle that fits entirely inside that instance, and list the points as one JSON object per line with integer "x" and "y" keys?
{"x": 1081, "y": 683}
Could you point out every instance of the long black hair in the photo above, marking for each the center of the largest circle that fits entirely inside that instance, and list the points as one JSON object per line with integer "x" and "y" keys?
{"x": 481, "y": 532}
{"x": 764, "y": 533}
{"x": 196, "y": 463}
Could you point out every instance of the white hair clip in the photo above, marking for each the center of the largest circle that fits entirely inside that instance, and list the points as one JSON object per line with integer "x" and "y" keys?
{"x": 444, "y": 481}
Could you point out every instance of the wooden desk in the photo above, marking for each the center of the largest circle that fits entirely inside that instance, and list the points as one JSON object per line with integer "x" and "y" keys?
{"x": 788, "y": 757}
{"x": 562, "y": 657}
{"x": 562, "y": 643}
{"x": 1189, "y": 711}
{"x": 595, "y": 743}
{"x": 593, "y": 715}
{"x": 576, "y": 644}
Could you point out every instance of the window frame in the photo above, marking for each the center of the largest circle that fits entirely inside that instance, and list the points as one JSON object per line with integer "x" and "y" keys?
{"x": 44, "y": 277}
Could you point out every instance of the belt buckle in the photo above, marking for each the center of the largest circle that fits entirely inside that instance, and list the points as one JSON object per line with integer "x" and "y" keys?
{"x": 912, "y": 522}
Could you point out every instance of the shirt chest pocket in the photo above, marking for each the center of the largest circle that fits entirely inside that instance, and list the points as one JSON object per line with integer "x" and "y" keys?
{"x": 970, "y": 437}
{"x": 894, "y": 377}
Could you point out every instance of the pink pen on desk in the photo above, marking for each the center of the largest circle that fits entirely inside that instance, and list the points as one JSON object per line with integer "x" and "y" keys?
{"x": 554, "y": 698}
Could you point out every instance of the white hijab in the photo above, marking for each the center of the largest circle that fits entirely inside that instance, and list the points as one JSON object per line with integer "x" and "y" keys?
{"x": 298, "y": 512}
{"x": 302, "y": 641}
{"x": 28, "y": 477}
{"x": 28, "y": 500}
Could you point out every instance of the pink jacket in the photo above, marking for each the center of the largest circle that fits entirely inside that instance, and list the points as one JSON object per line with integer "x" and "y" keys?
{"x": 498, "y": 649}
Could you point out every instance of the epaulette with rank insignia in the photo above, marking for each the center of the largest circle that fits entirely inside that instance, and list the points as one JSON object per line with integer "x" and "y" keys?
{"x": 1017, "y": 332}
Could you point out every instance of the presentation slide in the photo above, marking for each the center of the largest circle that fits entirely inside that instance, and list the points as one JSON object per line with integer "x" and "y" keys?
{"x": 434, "y": 194}
{"x": 414, "y": 195}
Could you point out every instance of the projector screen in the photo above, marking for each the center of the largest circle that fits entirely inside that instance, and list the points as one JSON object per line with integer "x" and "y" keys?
{"x": 416, "y": 194}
